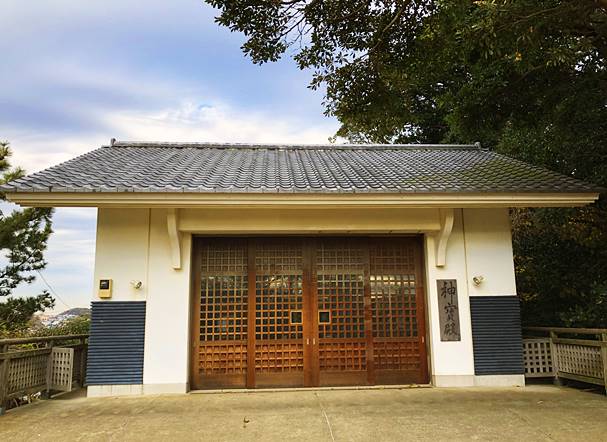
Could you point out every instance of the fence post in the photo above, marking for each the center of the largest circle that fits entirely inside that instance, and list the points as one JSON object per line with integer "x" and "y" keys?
{"x": 83, "y": 356}
{"x": 46, "y": 394}
{"x": 554, "y": 356}
{"x": 604, "y": 358}
{"x": 4, "y": 365}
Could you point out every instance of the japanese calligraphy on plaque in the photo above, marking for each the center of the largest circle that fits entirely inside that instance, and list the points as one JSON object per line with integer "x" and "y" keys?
{"x": 448, "y": 310}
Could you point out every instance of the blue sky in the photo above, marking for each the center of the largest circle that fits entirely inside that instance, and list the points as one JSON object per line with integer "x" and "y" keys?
{"x": 74, "y": 74}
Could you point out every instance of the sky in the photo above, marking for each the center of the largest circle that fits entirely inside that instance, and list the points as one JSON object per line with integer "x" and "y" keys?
{"x": 74, "y": 74}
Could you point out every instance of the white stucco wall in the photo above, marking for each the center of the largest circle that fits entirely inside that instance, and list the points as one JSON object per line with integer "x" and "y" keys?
{"x": 489, "y": 252}
{"x": 451, "y": 363}
{"x": 133, "y": 245}
{"x": 480, "y": 245}
{"x": 122, "y": 252}
{"x": 165, "y": 367}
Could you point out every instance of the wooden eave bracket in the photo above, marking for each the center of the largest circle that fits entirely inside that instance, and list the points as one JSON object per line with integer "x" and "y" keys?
{"x": 446, "y": 226}
{"x": 174, "y": 237}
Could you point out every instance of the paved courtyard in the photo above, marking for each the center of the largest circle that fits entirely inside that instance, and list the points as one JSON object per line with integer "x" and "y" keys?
{"x": 530, "y": 414}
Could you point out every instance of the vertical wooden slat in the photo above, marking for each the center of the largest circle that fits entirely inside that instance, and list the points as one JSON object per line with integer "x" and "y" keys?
{"x": 368, "y": 314}
{"x": 83, "y": 353}
{"x": 4, "y": 364}
{"x": 308, "y": 314}
{"x": 47, "y": 393}
{"x": 555, "y": 357}
{"x": 251, "y": 250}
{"x": 313, "y": 293}
{"x": 604, "y": 359}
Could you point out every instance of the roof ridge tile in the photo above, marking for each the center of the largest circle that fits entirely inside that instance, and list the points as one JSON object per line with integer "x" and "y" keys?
{"x": 287, "y": 146}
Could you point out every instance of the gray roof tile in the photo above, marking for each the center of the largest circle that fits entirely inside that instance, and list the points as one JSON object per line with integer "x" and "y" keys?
{"x": 207, "y": 167}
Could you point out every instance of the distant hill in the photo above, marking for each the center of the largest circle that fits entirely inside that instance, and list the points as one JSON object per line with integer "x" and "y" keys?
{"x": 54, "y": 320}
{"x": 78, "y": 311}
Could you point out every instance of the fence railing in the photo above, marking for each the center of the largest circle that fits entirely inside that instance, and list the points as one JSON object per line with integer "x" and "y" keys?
{"x": 579, "y": 354}
{"x": 43, "y": 364}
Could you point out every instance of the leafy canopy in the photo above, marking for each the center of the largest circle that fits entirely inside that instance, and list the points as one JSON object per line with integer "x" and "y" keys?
{"x": 427, "y": 70}
{"x": 524, "y": 77}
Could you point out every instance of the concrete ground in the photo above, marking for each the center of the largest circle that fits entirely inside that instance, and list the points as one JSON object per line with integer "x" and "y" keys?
{"x": 533, "y": 413}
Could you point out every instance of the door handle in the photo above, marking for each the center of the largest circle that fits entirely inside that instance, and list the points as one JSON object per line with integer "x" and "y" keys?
{"x": 313, "y": 341}
{"x": 308, "y": 341}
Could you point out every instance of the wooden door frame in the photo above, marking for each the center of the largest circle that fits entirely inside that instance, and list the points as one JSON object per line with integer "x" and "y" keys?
{"x": 368, "y": 321}
{"x": 422, "y": 301}
{"x": 310, "y": 301}
{"x": 311, "y": 368}
{"x": 194, "y": 335}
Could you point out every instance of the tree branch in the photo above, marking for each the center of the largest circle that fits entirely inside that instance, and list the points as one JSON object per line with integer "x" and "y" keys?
{"x": 388, "y": 26}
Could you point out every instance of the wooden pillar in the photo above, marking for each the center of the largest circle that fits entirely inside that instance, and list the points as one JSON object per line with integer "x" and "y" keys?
{"x": 4, "y": 365}
{"x": 46, "y": 394}
{"x": 554, "y": 355}
{"x": 83, "y": 357}
{"x": 310, "y": 315}
{"x": 420, "y": 301}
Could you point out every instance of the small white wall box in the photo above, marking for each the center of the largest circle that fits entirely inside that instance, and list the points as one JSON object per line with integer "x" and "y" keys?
{"x": 105, "y": 288}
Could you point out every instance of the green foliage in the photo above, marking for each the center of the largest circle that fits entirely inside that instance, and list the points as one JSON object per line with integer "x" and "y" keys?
{"x": 424, "y": 70}
{"x": 16, "y": 313}
{"x": 23, "y": 234}
{"x": 561, "y": 266}
{"x": 524, "y": 77}
{"x": 23, "y": 239}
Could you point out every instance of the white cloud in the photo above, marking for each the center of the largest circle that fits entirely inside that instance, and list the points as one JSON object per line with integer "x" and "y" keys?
{"x": 215, "y": 123}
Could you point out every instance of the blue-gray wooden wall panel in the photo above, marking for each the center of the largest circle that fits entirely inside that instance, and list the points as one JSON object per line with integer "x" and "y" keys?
{"x": 116, "y": 343}
{"x": 496, "y": 335}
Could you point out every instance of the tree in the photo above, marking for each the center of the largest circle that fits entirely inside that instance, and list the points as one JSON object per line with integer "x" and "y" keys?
{"x": 16, "y": 313}
{"x": 23, "y": 239}
{"x": 525, "y": 77}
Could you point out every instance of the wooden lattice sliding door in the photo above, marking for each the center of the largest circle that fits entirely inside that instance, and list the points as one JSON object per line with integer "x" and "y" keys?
{"x": 397, "y": 306}
{"x": 279, "y": 321}
{"x": 221, "y": 315}
{"x": 271, "y": 312}
{"x": 340, "y": 283}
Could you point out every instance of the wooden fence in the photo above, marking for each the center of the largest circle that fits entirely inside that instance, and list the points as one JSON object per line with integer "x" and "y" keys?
{"x": 44, "y": 364}
{"x": 579, "y": 354}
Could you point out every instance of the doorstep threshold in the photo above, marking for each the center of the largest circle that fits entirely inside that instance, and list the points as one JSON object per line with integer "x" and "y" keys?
{"x": 289, "y": 389}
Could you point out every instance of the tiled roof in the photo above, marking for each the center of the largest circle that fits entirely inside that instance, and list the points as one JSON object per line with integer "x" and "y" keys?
{"x": 207, "y": 167}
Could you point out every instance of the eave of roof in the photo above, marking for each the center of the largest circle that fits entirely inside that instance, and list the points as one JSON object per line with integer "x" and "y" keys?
{"x": 268, "y": 200}
{"x": 158, "y": 174}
